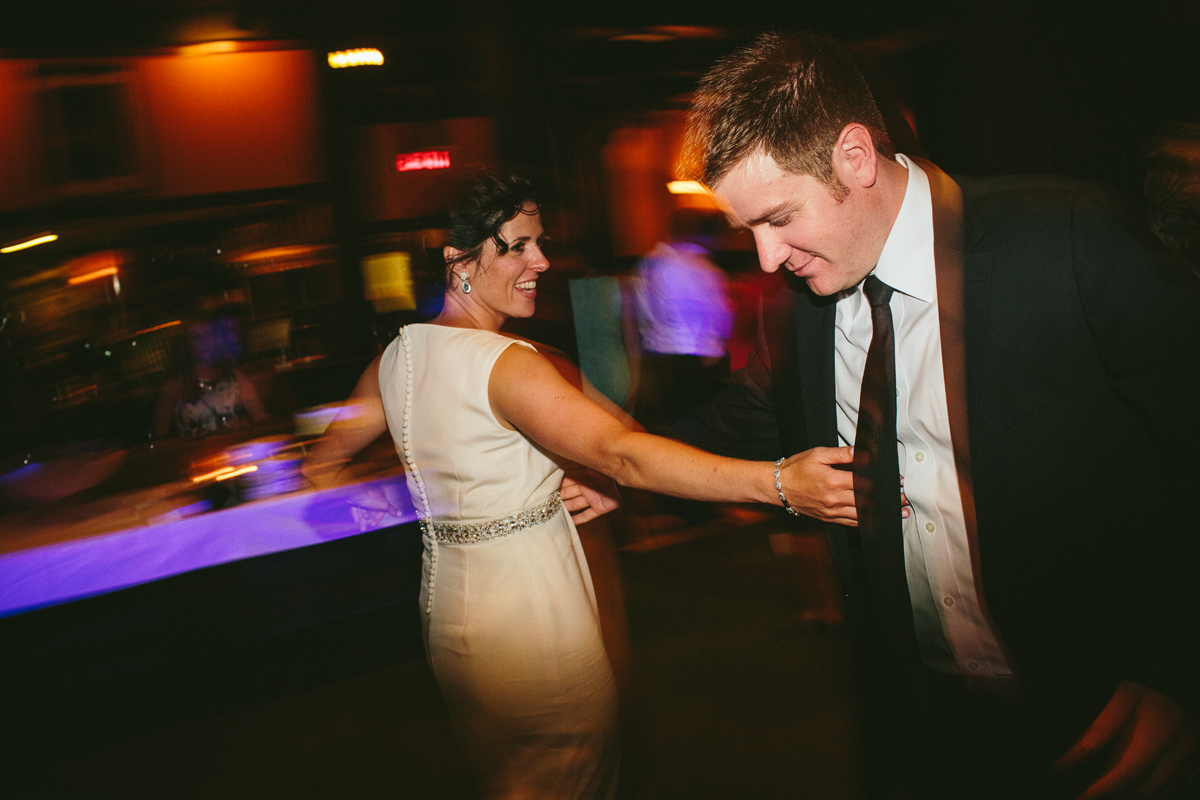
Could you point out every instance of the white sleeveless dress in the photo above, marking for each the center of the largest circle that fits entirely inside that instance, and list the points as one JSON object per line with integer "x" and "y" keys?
{"x": 512, "y": 631}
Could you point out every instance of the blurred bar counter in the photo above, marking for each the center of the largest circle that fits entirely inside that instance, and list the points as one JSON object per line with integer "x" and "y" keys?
{"x": 129, "y": 538}
{"x": 122, "y": 613}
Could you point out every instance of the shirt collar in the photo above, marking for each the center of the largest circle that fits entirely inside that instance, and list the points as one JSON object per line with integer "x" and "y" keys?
{"x": 906, "y": 263}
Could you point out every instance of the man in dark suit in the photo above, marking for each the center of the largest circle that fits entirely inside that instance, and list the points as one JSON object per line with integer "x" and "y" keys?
{"x": 1047, "y": 426}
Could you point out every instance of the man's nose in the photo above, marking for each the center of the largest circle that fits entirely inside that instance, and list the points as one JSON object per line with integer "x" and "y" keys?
{"x": 771, "y": 252}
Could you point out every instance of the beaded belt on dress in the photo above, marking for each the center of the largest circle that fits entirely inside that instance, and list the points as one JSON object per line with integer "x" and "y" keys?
{"x": 453, "y": 533}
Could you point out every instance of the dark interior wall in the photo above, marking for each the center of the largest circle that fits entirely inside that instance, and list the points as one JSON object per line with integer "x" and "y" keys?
{"x": 1071, "y": 88}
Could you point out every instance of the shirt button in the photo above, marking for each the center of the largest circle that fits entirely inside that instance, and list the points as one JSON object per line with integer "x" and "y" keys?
{"x": 919, "y": 456}
{"x": 929, "y": 526}
{"x": 897, "y": 392}
{"x": 947, "y": 601}
{"x": 972, "y": 665}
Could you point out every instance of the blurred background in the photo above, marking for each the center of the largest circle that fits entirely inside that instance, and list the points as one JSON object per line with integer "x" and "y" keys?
{"x": 204, "y": 158}
{"x": 214, "y": 213}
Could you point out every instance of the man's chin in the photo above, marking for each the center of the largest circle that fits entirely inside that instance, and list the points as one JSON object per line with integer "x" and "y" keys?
{"x": 819, "y": 287}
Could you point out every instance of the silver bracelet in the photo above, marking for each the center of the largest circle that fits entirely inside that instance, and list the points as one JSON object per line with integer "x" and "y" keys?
{"x": 779, "y": 488}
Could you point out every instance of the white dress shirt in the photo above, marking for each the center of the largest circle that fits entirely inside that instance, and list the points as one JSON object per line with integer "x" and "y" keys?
{"x": 953, "y": 632}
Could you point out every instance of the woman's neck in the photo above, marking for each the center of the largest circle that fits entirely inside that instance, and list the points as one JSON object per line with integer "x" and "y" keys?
{"x": 458, "y": 312}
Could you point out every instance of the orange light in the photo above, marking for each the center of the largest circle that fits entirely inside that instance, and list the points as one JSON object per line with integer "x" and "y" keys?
{"x": 208, "y": 48}
{"x": 34, "y": 242}
{"x": 362, "y": 57}
{"x": 236, "y": 472}
{"x": 641, "y": 37}
{"x": 159, "y": 327}
{"x": 686, "y": 187}
{"x": 91, "y": 276}
{"x": 430, "y": 159}
{"x": 213, "y": 474}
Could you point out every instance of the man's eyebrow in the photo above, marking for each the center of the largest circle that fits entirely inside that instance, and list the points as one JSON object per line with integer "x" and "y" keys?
{"x": 770, "y": 213}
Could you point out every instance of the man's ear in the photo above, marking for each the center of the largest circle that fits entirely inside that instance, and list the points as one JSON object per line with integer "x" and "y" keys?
{"x": 854, "y": 156}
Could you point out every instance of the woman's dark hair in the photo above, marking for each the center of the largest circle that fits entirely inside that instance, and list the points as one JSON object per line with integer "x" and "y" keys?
{"x": 491, "y": 201}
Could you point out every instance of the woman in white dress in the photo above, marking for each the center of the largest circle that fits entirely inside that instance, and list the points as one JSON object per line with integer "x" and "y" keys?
{"x": 483, "y": 423}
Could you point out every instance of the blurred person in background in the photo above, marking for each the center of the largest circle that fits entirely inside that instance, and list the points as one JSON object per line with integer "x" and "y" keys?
{"x": 207, "y": 393}
{"x": 1025, "y": 612}
{"x": 484, "y": 424}
{"x": 678, "y": 354}
{"x": 684, "y": 320}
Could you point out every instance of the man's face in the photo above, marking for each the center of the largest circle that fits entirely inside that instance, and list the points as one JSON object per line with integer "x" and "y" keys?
{"x": 798, "y": 224}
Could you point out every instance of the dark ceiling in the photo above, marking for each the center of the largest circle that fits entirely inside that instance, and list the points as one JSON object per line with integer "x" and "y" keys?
{"x": 995, "y": 86}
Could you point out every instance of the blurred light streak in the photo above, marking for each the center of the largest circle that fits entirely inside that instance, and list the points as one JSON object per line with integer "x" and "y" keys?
{"x": 429, "y": 159}
{"x": 236, "y": 472}
{"x": 67, "y": 394}
{"x": 689, "y": 31}
{"x": 641, "y": 37}
{"x": 34, "y": 242}
{"x": 363, "y": 56}
{"x": 160, "y": 327}
{"x": 686, "y": 187}
{"x": 213, "y": 474}
{"x": 208, "y": 48}
{"x": 91, "y": 276}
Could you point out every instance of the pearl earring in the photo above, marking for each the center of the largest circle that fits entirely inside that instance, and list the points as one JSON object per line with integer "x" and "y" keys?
{"x": 466, "y": 286}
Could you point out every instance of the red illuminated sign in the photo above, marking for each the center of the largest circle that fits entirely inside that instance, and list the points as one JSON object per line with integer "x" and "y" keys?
{"x": 430, "y": 159}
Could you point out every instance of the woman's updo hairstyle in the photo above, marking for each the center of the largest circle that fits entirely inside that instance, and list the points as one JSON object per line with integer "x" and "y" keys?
{"x": 491, "y": 201}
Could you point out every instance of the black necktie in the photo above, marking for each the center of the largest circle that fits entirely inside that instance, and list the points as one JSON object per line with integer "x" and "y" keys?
{"x": 877, "y": 481}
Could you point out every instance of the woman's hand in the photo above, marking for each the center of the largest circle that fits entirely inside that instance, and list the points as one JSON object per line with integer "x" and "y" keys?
{"x": 369, "y": 505}
{"x": 587, "y": 494}
{"x": 814, "y": 484}
{"x": 360, "y": 422}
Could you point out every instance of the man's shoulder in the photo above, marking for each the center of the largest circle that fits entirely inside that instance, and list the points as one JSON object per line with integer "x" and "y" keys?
{"x": 1027, "y": 212}
{"x": 1041, "y": 200}
{"x": 999, "y": 190}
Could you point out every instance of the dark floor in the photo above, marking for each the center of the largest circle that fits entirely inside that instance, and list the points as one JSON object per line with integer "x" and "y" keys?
{"x": 734, "y": 697}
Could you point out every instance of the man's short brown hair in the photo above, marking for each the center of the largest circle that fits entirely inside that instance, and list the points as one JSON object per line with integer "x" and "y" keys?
{"x": 788, "y": 96}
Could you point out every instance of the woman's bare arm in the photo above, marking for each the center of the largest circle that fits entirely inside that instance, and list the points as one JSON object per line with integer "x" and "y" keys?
{"x": 360, "y": 423}
{"x": 527, "y": 392}
{"x": 574, "y": 376}
{"x": 587, "y": 494}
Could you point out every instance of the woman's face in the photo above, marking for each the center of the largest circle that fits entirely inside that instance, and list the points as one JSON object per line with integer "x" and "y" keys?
{"x": 506, "y": 285}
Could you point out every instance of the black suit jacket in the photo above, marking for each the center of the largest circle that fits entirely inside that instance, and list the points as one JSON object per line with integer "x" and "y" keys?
{"x": 1082, "y": 354}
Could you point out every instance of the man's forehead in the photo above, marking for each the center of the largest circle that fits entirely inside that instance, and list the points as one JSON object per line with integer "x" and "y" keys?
{"x": 757, "y": 188}
{"x": 760, "y": 167}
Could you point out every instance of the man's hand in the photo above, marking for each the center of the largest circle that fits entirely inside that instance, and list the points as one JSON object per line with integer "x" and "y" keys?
{"x": 588, "y": 494}
{"x": 813, "y": 485}
{"x": 1154, "y": 745}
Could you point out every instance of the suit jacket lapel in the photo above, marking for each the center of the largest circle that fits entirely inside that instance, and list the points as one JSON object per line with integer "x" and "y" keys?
{"x": 799, "y": 343}
{"x": 960, "y": 335}
{"x": 814, "y": 355}
{"x": 948, "y": 263}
